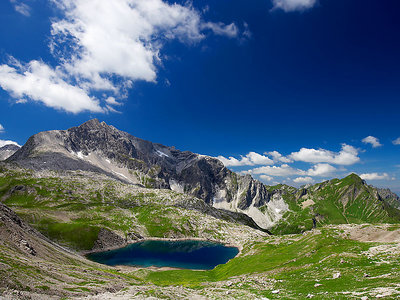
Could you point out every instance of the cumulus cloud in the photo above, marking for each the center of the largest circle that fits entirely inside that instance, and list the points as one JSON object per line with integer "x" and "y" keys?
{"x": 283, "y": 170}
{"x": 277, "y": 157}
{"x": 347, "y": 156}
{"x": 318, "y": 170}
{"x": 105, "y": 46}
{"x": 266, "y": 178}
{"x": 396, "y": 141}
{"x": 303, "y": 180}
{"x": 4, "y": 143}
{"x": 372, "y": 140}
{"x": 251, "y": 159}
{"x": 293, "y": 5}
{"x": 1, "y": 128}
{"x": 21, "y": 7}
{"x": 39, "y": 82}
{"x": 374, "y": 176}
{"x": 321, "y": 170}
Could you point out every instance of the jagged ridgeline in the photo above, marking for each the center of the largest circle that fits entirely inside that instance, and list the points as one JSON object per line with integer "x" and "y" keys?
{"x": 98, "y": 147}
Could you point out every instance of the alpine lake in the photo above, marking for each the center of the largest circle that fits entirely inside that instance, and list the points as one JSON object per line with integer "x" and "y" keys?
{"x": 186, "y": 254}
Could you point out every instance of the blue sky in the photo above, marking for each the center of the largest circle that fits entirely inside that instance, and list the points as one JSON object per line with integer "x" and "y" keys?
{"x": 229, "y": 78}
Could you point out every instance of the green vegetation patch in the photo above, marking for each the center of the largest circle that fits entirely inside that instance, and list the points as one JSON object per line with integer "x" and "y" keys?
{"x": 79, "y": 236}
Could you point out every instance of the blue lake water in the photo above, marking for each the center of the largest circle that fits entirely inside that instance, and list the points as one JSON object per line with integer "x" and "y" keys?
{"x": 198, "y": 255}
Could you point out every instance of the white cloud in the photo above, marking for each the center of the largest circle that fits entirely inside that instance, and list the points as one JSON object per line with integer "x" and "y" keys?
{"x": 230, "y": 30}
{"x": 372, "y": 140}
{"x": 258, "y": 159}
{"x": 1, "y": 128}
{"x": 321, "y": 170}
{"x": 396, "y": 141}
{"x": 374, "y": 176}
{"x": 124, "y": 37}
{"x": 251, "y": 159}
{"x": 318, "y": 170}
{"x": 347, "y": 156}
{"x": 22, "y": 8}
{"x": 266, "y": 178}
{"x": 303, "y": 180}
{"x": 283, "y": 170}
{"x": 278, "y": 157}
{"x": 112, "y": 101}
{"x": 40, "y": 83}
{"x": 4, "y": 143}
{"x": 293, "y": 5}
{"x": 105, "y": 45}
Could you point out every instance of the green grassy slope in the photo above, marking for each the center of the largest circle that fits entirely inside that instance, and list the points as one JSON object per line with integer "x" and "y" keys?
{"x": 338, "y": 201}
{"x": 295, "y": 265}
{"x": 73, "y": 210}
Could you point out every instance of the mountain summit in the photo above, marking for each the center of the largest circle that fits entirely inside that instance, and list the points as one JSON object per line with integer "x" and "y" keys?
{"x": 98, "y": 147}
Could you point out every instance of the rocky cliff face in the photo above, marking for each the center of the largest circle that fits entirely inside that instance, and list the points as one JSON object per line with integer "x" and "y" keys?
{"x": 98, "y": 147}
{"x": 390, "y": 197}
{"x": 8, "y": 150}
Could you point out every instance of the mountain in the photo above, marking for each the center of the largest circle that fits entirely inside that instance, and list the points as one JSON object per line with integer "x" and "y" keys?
{"x": 8, "y": 150}
{"x": 94, "y": 188}
{"x": 98, "y": 147}
{"x": 337, "y": 201}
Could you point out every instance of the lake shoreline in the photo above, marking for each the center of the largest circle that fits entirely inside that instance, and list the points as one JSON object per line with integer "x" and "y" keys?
{"x": 85, "y": 254}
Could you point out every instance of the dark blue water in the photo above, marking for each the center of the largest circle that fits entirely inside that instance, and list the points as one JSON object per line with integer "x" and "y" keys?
{"x": 198, "y": 255}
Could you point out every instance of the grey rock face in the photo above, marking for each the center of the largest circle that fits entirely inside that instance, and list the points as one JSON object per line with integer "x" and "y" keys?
{"x": 390, "y": 197}
{"x": 98, "y": 147}
{"x": 8, "y": 150}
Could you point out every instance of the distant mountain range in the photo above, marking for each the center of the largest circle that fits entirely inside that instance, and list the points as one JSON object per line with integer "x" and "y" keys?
{"x": 98, "y": 147}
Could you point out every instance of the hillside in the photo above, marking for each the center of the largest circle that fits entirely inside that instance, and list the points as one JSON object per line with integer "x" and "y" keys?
{"x": 101, "y": 148}
{"x": 83, "y": 210}
{"x": 90, "y": 188}
{"x": 338, "y": 201}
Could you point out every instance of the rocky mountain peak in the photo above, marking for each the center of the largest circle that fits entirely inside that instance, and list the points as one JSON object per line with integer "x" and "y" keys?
{"x": 98, "y": 147}
{"x": 93, "y": 123}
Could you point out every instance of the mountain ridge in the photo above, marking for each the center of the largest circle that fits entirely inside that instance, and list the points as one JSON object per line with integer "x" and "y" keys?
{"x": 97, "y": 147}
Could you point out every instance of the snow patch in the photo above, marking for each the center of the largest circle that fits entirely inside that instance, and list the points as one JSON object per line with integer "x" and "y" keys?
{"x": 161, "y": 154}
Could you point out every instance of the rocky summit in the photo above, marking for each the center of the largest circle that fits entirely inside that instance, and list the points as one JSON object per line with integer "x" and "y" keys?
{"x": 98, "y": 147}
